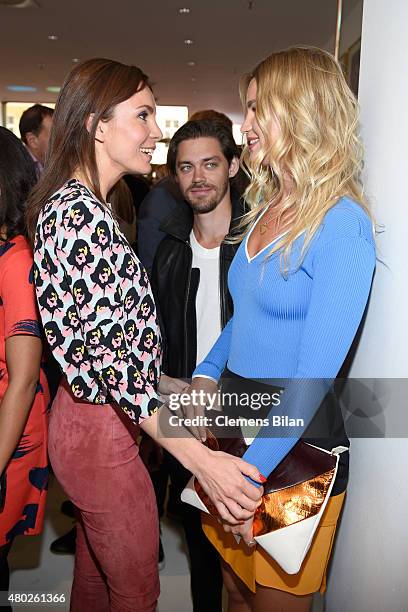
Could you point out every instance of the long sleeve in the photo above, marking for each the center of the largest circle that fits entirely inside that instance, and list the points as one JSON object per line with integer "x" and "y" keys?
{"x": 97, "y": 309}
{"x": 216, "y": 360}
{"x": 342, "y": 276}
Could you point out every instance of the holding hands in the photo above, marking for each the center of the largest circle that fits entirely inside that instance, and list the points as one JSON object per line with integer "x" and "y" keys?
{"x": 169, "y": 386}
{"x": 221, "y": 475}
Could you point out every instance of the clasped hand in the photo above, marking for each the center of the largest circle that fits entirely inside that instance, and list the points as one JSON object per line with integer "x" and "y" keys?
{"x": 235, "y": 518}
{"x": 203, "y": 392}
{"x": 244, "y": 530}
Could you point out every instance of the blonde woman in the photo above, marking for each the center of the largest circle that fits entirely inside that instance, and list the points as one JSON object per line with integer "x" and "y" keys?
{"x": 300, "y": 282}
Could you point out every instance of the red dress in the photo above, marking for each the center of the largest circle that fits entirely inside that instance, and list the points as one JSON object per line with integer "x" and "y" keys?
{"x": 27, "y": 471}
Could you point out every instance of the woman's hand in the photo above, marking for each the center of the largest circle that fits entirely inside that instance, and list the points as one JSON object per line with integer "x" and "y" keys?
{"x": 169, "y": 386}
{"x": 201, "y": 391}
{"x": 222, "y": 476}
{"x": 243, "y": 530}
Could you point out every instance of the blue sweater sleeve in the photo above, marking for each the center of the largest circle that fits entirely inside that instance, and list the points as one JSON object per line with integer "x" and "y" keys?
{"x": 342, "y": 276}
{"x": 216, "y": 360}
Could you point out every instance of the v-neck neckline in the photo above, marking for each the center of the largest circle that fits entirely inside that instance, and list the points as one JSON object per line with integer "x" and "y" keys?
{"x": 250, "y": 259}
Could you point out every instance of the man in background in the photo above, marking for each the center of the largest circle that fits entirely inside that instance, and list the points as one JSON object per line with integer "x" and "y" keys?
{"x": 163, "y": 199}
{"x": 35, "y": 129}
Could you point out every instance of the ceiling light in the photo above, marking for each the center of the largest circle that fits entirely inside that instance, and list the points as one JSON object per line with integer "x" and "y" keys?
{"x": 191, "y": 63}
{"x": 193, "y": 79}
{"x": 52, "y": 37}
{"x": 21, "y": 88}
{"x": 53, "y": 89}
{"x": 188, "y": 41}
{"x": 22, "y": 4}
{"x": 184, "y": 11}
{"x": 75, "y": 60}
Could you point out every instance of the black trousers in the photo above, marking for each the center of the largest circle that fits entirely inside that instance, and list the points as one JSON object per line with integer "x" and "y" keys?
{"x": 205, "y": 566}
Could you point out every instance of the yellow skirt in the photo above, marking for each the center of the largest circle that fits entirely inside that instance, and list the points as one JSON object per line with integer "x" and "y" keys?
{"x": 254, "y": 566}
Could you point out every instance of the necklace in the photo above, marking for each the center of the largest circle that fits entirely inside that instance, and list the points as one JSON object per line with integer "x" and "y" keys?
{"x": 263, "y": 227}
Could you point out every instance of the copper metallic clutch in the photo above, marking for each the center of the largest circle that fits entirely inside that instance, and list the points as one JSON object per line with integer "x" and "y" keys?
{"x": 295, "y": 497}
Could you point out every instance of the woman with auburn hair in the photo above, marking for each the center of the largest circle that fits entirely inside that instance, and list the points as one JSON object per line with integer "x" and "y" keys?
{"x": 300, "y": 282}
{"x": 24, "y": 395}
{"x": 100, "y": 320}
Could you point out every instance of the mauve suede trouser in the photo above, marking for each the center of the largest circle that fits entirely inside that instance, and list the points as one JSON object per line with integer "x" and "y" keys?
{"x": 97, "y": 462}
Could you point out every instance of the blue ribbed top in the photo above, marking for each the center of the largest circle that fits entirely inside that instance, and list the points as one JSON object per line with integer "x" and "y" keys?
{"x": 300, "y": 326}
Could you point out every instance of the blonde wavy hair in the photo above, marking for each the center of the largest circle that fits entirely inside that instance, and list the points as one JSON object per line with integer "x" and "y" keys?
{"x": 303, "y": 89}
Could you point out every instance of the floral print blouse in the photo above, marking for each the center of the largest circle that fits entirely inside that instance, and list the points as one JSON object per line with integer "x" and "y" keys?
{"x": 96, "y": 303}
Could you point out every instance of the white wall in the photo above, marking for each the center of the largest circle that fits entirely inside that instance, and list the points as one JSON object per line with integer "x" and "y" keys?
{"x": 370, "y": 564}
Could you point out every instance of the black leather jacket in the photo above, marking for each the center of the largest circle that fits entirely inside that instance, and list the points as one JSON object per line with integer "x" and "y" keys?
{"x": 175, "y": 285}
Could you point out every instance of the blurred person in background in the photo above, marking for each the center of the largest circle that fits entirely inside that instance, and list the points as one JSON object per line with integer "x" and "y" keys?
{"x": 24, "y": 396}
{"x": 35, "y": 129}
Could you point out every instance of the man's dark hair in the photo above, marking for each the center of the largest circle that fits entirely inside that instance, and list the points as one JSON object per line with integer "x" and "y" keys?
{"x": 211, "y": 115}
{"x": 17, "y": 177}
{"x": 32, "y": 118}
{"x": 202, "y": 129}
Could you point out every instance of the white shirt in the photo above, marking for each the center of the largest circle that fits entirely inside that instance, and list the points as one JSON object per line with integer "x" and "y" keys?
{"x": 208, "y": 304}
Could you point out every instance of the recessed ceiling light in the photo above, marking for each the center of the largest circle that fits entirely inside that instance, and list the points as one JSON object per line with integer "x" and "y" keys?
{"x": 191, "y": 63}
{"x": 184, "y": 11}
{"x": 21, "y": 88}
{"x": 52, "y": 37}
{"x": 20, "y": 4}
{"x": 53, "y": 89}
{"x": 75, "y": 60}
{"x": 193, "y": 79}
{"x": 188, "y": 41}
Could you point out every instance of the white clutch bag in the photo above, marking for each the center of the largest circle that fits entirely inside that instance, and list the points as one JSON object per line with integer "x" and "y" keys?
{"x": 295, "y": 497}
